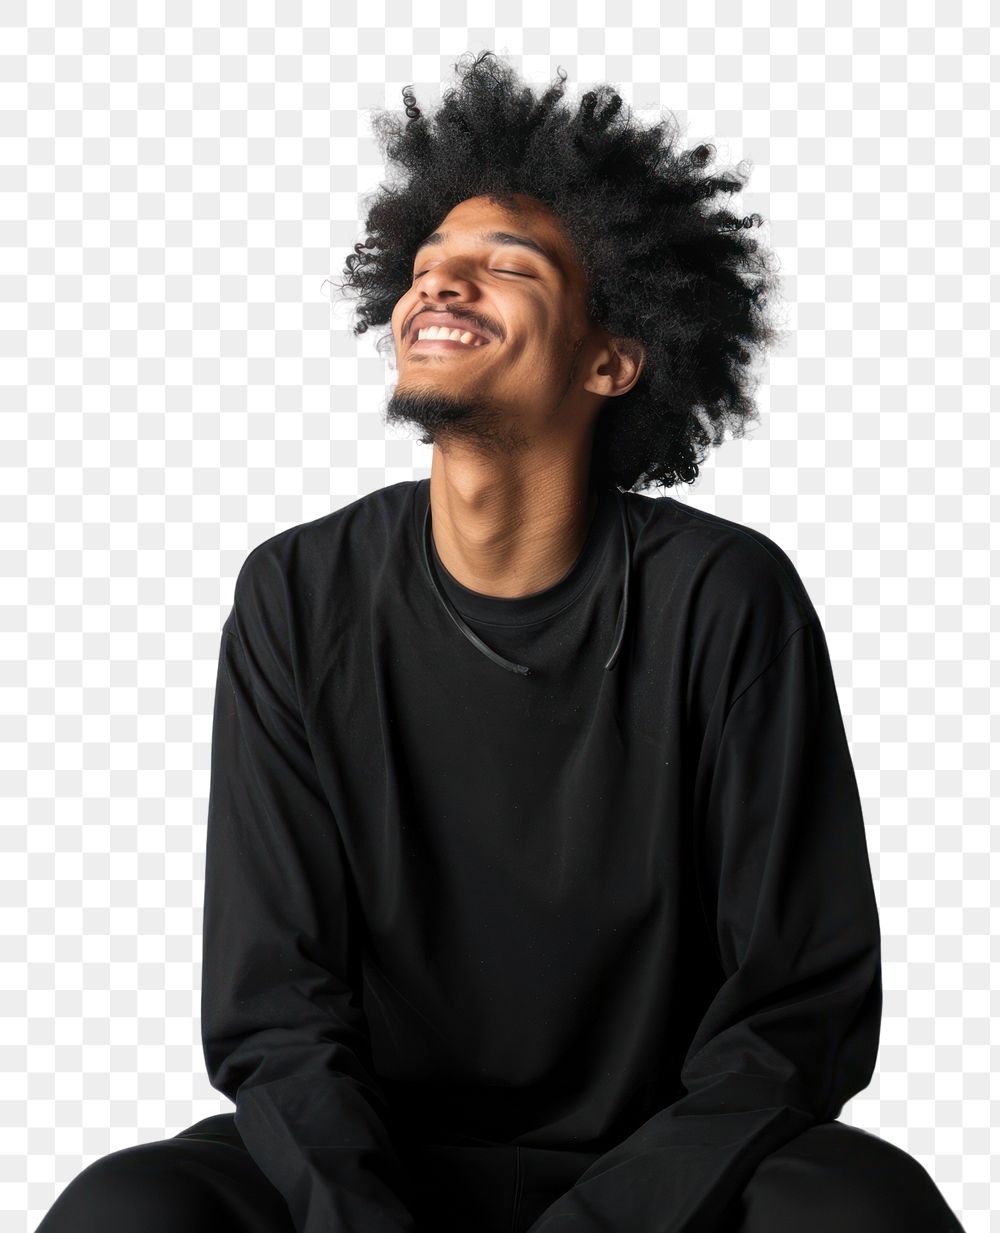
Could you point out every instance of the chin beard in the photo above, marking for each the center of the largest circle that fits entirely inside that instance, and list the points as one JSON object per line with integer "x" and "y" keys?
{"x": 445, "y": 418}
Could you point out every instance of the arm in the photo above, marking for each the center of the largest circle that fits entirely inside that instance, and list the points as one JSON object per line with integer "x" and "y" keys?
{"x": 283, "y": 1032}
{"x": 792, "y": 1032}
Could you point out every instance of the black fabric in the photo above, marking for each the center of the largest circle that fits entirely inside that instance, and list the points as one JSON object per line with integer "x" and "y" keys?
{"x": 830, "y": 1178}
{"x": 626, "y": 915}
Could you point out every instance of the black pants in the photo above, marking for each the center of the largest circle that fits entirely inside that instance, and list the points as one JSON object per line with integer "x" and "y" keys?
{"x": 833, "y": 1178}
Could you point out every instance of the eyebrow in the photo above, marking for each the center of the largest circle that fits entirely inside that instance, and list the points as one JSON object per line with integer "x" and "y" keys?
{"x": 498, "y": 237}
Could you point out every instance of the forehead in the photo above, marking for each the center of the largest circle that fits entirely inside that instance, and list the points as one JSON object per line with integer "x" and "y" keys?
{"x": 530, "y": 225}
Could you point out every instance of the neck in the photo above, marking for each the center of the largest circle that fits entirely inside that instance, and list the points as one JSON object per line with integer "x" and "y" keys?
{"x": 509, "y": 531}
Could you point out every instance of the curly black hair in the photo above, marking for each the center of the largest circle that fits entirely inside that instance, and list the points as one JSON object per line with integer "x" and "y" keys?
{"x": 686, "y": 281}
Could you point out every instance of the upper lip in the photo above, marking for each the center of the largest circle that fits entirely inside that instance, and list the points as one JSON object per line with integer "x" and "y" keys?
{"x": 451, "y": 321}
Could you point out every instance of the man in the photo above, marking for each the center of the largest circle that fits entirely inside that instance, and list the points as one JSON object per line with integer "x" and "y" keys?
{"x": 537, "y": 892}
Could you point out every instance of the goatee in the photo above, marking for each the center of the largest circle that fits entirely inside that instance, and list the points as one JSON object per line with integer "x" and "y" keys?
{"x": 444, "y": 418}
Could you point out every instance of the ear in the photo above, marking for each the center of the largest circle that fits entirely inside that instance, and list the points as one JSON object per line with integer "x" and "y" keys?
{"x": 617, "y": 374}
{"x": 632, "y": 352}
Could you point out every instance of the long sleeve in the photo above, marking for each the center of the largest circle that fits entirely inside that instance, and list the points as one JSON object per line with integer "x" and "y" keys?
{"x": 283, "y": 1032}
{"x": 792, "y": 1031}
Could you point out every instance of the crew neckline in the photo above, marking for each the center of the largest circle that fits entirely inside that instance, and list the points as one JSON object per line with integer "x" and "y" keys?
{"x": 521, "y": 609}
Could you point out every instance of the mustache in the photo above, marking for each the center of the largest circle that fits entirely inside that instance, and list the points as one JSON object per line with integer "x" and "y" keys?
{"x": 472, "y": 320}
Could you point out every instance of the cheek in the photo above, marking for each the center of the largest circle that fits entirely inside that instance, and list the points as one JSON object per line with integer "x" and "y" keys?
{"x": 551, "y": 344}
{"x": 401, "y": 310}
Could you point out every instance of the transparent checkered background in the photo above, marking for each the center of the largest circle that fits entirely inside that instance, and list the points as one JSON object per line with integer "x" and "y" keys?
{"x": 176, "y": 387}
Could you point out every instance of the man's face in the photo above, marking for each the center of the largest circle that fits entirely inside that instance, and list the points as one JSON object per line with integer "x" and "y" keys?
{"x": 533, "y": 349}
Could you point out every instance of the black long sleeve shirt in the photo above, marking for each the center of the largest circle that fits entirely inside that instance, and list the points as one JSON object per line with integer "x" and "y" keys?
{"x": 623, "y": 918}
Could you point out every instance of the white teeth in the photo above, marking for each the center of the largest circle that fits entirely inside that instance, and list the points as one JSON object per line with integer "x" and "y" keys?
{"x": 440, "y": 331}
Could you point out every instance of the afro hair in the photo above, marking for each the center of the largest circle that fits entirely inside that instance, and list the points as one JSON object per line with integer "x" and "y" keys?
{"x": 661, "y": 267}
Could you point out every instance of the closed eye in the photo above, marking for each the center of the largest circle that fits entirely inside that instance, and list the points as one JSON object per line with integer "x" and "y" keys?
{"x": 519, "y": 273}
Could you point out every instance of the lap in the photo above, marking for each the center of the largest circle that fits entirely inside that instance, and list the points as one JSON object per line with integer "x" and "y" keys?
{"x": 830, "y": 1178}
{"x": 836, "y": 1177}
{"x": 202, "y": 1180}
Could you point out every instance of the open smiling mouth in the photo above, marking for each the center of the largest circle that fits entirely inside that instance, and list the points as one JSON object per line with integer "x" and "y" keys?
{"x": 444, "y": 343}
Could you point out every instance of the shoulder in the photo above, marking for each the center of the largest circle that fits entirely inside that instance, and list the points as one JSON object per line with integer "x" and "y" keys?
{"x": 294, "y": 587}
{"x": 287, "y": 568}
{"x": 727, "y": 590}
{"x": 710, "y": 561}
{"x": 741, "y": 565}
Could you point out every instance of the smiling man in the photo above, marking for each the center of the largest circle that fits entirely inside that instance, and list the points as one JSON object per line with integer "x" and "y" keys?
{"x": 524, "y": 370}
{"x": 504, "y": 371}
{"x": 537, "y": 894}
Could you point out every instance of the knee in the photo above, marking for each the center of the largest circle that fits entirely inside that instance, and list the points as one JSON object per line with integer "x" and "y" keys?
{"x": 836, "y": 1176}
{"x": 150, "y": 1187}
